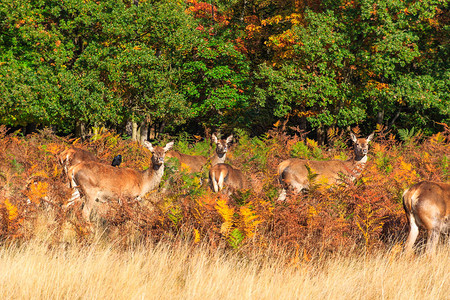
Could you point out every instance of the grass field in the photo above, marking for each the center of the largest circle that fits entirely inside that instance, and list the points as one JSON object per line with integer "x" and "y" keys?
{"x": 101, "y": 271}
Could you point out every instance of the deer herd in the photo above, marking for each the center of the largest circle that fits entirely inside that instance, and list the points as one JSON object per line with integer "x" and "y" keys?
{"x": 426, "y": 204}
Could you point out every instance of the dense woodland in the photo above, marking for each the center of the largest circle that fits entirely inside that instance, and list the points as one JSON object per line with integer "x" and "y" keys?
{"x": 176, "y": 66}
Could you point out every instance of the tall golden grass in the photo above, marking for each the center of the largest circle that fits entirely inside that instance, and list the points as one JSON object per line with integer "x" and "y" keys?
{"x": 167, "y": 271}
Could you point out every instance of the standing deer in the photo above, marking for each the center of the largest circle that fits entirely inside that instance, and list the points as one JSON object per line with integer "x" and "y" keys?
{"x": 195, "y": 163}
{"x": 294, "y": 172}
{"x": 427, "y": 205}
{"x": 101, "y": 182}
{"x": 221, "y": 174}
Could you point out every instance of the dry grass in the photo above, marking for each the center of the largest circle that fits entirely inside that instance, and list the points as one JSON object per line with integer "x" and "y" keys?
{"x": 163, "y": 271}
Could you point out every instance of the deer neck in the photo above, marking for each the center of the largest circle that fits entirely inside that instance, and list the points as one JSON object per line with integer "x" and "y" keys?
{"x": 151, "y": 178}
{"x": 219, "y": 158}
{"x": 356, "y": 165}
{"x": 361, "y": 159}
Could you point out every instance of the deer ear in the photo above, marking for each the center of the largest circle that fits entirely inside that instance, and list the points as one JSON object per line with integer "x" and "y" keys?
{"x": 353, "y": 137}
{"x": 168, "y": 146}
{"x": 214, "y": 138}
{"x": 370, "y": 137}
{"x": 229, "y": 139}
{"x": 148, "y": 145}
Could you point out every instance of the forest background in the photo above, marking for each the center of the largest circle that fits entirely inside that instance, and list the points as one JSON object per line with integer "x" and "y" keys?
{"x": 184, "y": 66}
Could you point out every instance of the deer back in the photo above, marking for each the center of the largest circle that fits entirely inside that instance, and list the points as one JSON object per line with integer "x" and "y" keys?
{"x": 193, "y": 163}
{"x": 108, "y": 181}
{"x": 328, "y": 172}
{"x": 427, "y": 205}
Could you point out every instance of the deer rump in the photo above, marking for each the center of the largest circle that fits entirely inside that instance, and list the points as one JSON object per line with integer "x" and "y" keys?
{"x": 222, "y": 175}
{"x": 427, "y": 205}
{"x": 294, "y": 172}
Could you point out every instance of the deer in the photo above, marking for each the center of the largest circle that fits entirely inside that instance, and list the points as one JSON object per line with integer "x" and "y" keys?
{"x": 101, "y": 182}
{"x": 427, "y": 205}
{"x": 224, "y": 174}
{"x": 195, "y": 163}
{"x": 294, "y": 172}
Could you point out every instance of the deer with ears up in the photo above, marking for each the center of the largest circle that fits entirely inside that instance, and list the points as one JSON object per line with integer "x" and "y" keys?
{"x": 101, "y": 182}
{"x": 294, "y": 172}
{"x": 427, "y": 205}
{"x": 222, "y": 146}
{"x": 224, "y": 175}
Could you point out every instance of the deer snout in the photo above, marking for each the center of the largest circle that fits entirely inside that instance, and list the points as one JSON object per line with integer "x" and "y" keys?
{"x": 158, "y": 160}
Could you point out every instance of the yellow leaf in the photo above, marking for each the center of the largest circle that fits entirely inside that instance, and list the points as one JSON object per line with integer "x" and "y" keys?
{"x": 227, "y": 214}
{"x": 196, "y": 236}
{"x": 185, "y": 167}
{"x": 250, "y": 220}
{"x": 12, "y": 210}
{"x": 311, "y": 143}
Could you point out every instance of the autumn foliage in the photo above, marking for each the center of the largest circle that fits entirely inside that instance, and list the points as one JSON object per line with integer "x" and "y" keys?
{"x": 363, "y": 215}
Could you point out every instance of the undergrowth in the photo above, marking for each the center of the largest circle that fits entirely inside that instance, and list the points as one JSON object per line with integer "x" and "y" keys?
{"x": 365, "y": 215}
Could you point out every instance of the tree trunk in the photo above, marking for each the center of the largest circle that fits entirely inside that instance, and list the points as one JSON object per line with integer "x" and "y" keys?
{"x": 134, "y": 132}
{"x": 152, "y": 133}
{"x": 380, "y": 117}
{"x": 143, "y": 132}
{"x": 80, "y": 130}
{"x": 321, "y": 135}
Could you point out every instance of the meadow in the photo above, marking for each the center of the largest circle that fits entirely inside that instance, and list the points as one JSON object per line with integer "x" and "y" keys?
{"x": 168, "y": 271}
{"x": 183, "y": 241}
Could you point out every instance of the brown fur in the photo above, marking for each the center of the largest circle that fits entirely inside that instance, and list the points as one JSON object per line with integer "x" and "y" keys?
{"x": 194, "y": 163}
{"x": 222, "y": 146}
{"x": 222, "y": 175}
{"x": 427, "y": 205}
{"x": 74, "y": 156}
{"x": 100, "y": 182}
{"x": 294, "y": 173}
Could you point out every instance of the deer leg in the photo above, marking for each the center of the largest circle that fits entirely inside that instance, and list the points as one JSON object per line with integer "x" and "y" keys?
{"x": 75, "y": 196}
{"x": 433, "y": 239}
{"x": 413, "y": 232}
{"x": 214, "y": 183}
{"x": 221, "y": 179}
{"x": 89, "y": 203}
{"x": 282, "y": 196}
{"x": 86, "y": 212}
